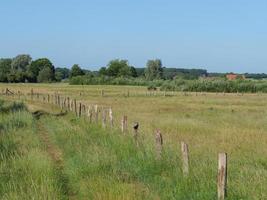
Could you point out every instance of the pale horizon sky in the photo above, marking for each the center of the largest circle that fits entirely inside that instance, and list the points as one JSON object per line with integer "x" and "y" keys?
{"x": 217, "y": 35}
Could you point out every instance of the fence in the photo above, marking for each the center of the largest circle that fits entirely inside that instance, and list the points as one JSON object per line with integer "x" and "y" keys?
{"x": 93, "y": 113}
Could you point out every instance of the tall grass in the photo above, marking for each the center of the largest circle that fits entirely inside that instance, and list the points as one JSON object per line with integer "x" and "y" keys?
{"x": 26, "y": 171}
{"x": 104, "y": 164}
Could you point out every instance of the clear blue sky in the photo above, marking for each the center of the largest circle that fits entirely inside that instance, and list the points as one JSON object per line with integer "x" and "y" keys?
{"x": 219, "y": 35}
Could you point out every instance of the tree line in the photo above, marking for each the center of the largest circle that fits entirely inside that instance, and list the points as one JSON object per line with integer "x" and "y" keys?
{"x": 23, "y": 69}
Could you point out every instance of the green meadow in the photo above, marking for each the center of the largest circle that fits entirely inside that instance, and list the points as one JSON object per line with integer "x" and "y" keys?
{"x": 49, "y": 156}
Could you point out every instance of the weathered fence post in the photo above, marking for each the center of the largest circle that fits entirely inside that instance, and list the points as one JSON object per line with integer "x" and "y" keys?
{"x": 124, "y": 124}
{"x": 48, "y": 98}
{"x": 58, "y": 100}
{"x": 159, "y": 144}
{"x": 222, "y": 176}
{"x": 111, "y": 117}
{"x": 102, "y": 93}
{"x": 96, "y": 114}
{"x": 75, "y": 107}
{"x": 185, "y": 158}
{"x": 80, "y": 110}
{"x": 68, "y": 103}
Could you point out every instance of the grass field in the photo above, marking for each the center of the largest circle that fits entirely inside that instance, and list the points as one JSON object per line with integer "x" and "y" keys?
{"x": 92, "y": 163}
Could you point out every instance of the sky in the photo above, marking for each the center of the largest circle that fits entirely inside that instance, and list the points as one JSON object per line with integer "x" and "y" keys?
{"x": 217, "y": 35}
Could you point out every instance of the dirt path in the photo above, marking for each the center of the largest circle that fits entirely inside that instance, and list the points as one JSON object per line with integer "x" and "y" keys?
{"x": 55, "y": 154}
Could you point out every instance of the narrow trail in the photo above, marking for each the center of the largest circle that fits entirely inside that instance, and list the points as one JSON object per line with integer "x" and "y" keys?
{"x": 55, "y": 154}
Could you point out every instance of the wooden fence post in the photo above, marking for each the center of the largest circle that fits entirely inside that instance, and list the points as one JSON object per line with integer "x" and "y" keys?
{"x": 159, "y": 144}
{"x": 111, "y": 117}
{"x": 102, "y": 93}
{"x": 58, "y": 100}
{"x": 96, "y": 113}
{"x": 68, "y": 103}
{"x": 222, "y": 176}
{"x": 80, "y": 110}
{"x": 75, "y": 107}
{"x": 185, "y": 158}
{"x": 124, "y": 124}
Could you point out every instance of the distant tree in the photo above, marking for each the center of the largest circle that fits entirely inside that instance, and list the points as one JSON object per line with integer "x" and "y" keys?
{"x": 154, "y": 69}
{"x": 11, "y": 77}
{"x": 76, "y": 71}
{"x": 20, "y": 62}
{"x": 61, "y": 73}
{"x": 37, "y": 66}
{"x": 5, "y": 66}
{"x": 134, "y": 72}
{"x": 46, "y": 75}
{"x": 118, "y": 68}
{"x": 103, "y": 71}
{"x": 140, "y": 71}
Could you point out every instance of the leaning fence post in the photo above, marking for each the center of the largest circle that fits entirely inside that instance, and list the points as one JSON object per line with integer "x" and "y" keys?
{"x": 124, "y": 124}
{"x": 222, "y": 176}
{"x": 185, "y": 158}
{"x": 159, "y": 143}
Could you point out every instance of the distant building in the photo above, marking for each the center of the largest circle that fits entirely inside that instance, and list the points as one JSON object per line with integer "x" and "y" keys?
{"x": 231, "y": 77}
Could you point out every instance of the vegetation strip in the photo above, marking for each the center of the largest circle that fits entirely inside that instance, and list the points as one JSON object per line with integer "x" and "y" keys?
{"x": 55, "y": 154}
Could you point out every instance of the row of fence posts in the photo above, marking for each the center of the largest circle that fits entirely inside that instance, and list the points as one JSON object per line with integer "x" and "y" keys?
{"x": 169, "y": 93}
{"x": 93, "y": 110}
{"x": 222, "y": 164}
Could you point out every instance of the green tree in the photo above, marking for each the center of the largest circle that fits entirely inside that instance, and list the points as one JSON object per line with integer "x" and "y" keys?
{"x": 5, "y": 66}
{"x": 118, "y": 68}
{"x": 38, "y": 65}
{"x": 76, "y": 71}
{"x": 154, "y": 69}
{"x": 45, "y": 75}
{"x": 61, "y": 73}
{"x": 134, "y": 72}
{"x": 103, "y": 71}
{"x": 20, "y": 62}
